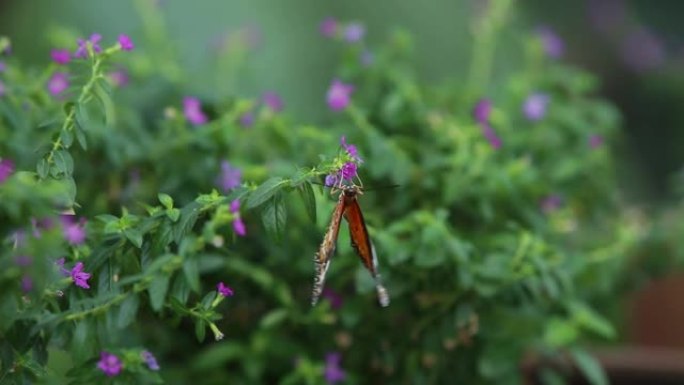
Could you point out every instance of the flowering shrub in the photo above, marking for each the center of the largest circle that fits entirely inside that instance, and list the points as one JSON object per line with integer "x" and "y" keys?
{"x": 126, "y": 204}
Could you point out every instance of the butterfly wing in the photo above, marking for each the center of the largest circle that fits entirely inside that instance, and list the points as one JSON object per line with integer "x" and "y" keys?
{"x": 363, "y": 246}
{"x": 326, "y": 250}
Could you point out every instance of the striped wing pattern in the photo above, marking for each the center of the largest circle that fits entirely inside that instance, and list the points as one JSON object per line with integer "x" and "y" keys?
{"x": 326, "y": 250}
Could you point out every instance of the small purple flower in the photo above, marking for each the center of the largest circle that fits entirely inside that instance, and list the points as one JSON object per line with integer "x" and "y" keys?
{"x": 551, "y": 203}
{"x": 595, "y": 141}
{"x": 482, "y": 110}
{"x": 235, "y": 206}
{"x": 247, "y": 119}
{"x": 334, "y": 297}
{"x": 642, "y": 50}
{"x": 79, "y": 276}
{"x": 328, "y": 27}
{"x": 150, "y": 360}
{"x": 339, "y": 95}
{"x": 82, "y": 50}
{"x": 58, "y": 83}
{"x": 224, "y": 290}
{"x": 26, "y": 284}
{"x": 239, "y": 227}
{"x": 333, "y": 373}
{"x": 126, "y": 43}
{"x": 118, "y": 78}
{"x": 230, "y": 177}
{"x": 351, "y": 150}
{"x": 74, "y": 232}
{"x": 348, "y": 170}
{"x": 60, "y": 56}
{"x": 6, "y": 169}
{"x": 330, "y": 180}
{"x": 354, "y": 32}
{"x": 273, "y": 101}
{"x": 552, "y": 43}
{"x": 23, "y": 261}
{"x": 60, "y": 263}
{"x": 3, "y": 66}
{"x": 535, "y": 106}
{"x": 110, "y": 364}
{"x": 192, "y": 109}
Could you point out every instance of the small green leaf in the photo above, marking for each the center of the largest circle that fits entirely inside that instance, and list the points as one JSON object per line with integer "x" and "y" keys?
{"x": 200, "y": 330}
{"x": 264, "y": 192}
{"x": 165, "y": 200}
{"x": 128, "y": 311}
{"x": 64, "y": 163}
{"x": 274, "y": 217}
{"x": 80, "y": 137}
{"x": 42, "y": 168}
{"x": 307, "y": 194}
{"x": 274, "y": 318}
{"x": 589, "y": 366}
{"x": 157, "y": 291}
{"x": 135, "y": 236}
{"x": 191, "y": 271}
{"x": 173, "y": 214}
{"x": 67, "y": 138}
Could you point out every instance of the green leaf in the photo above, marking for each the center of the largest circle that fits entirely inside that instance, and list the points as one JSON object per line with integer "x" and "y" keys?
{"x": 42, "y": 168}
{"x": 165, "y": 200}
{"x": 274, "y": 217}
{"x": 173, "y": 214}
{"x": 80, "y": 137}
{"x": 191, "y": 271}
{"x": 128, "y": 311}
{"x": 274, "y": 318}
{"x": 307, "y": 194}
{"x": 264, "y": 192}
{"x": 81, "y": 116}
{"x": 589, "y": 366}
{"x": 102, "y": 92}
{"x": 187, "y": 220}
{"x": 67, "y": 138}
{"x": 200, "y": 329}
{"x": 157, "y": 291}
{"x": 135, "y": 236}
{"x": 64, "y": 163}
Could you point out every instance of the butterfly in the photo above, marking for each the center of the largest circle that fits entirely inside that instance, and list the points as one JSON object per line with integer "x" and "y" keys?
{"x": 348, "y": 207}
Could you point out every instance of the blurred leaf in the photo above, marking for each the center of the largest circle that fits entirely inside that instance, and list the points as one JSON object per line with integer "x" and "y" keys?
{"x": 128, "y": 311}
{"x": 274, "y": 217}
{"x": 264, "y": 192}
{"x": 309, "y": 199}
{"x": 157, "y": 290}
{"x": 589, "y": 366}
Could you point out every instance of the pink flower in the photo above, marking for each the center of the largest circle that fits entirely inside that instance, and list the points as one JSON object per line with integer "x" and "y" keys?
{"x": 126, "y": 43}
{"x": 595, "y": 141}
{"x": 224, "y": 290}
{"x": 339, "y": 95}
{"x": 239, "y": 227}
{"x": 348, "y": 170}
{"x": 82, "y": 50}
{"x": 60, "y": 56}
{"x": 328, "y": 27}
{"x": 58, "y": 83}
{"x": 110, "y": 364}
{"x": 273, "y": 101}
{"x": 6, "y": 169}
{"x": 118, "y": 78}
{"x": 481, "y": 113}
{"x": 79, "y": 276}
{"x": 74, "y": 232}
{"x": 192, "y": 109}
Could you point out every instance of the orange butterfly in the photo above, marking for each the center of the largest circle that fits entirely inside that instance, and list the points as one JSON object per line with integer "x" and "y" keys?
{"x": 348, "y": 206}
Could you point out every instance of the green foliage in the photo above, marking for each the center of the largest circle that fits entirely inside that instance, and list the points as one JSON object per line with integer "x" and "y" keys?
{"x": 478, "y": 272}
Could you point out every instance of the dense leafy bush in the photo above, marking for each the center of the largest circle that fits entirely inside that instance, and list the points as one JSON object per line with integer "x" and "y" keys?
{"x": 504, "y": 229}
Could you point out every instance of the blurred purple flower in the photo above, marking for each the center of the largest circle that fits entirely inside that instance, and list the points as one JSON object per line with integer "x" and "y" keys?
{"x": 273, "y": 101}
{"x": 595, "y": 141}
{"x": 79, "y": 276}
{"x": 6, "y": 169}
{"x": 119, "y": 77}
{"x": 348, "y": 170}
{"x": 3, "y": 66}
{"x": 235, "y": 206}
{"x": 239, "y": 227}
{"x": 110, "y": 364}
{"x": 642, "y": 50}
{"x": 330, "y": 180}
{"x": 247, "y": 119}
{"x": 332, "y": 372}
{"x": 192, "y": 109}
{"x": 354, "y": 32}
{"x": 334, "y": 297}
{"x": 73, "y": 232}
{"x": 230, "y": 177}
{"x": 60, "y": 263}
{"x": 224, "y": 290}
{"x": 82, "y": 50}
{"x": 23, "y": 261}
{"x": 60, "y": 56}
{"x": 58, "y": 83}
{"x": 328, "y": 27}
{"x": 482, "y": 110}
{"x": 554, "y": 47}
{"x": 339, "y": 95}
{"x": 535, "y": 106}
{"x": 606, "y": 15}
{"x": 126, "y": 43}
{"x": 150, "y": 360}
{"x": 26, "y": 284}
{"x": 351, "y": 150}
{"x": 551, "y": 203}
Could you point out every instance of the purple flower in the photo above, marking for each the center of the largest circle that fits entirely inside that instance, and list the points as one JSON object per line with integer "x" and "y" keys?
{"x": 330, "y": 180}
{"x": 82, "y": 50}
{"x": 6, "y": 169}
{"x": 348, "y": 170}
{"x": 60, "y": 263}
{"x": 333, "y": 373}
{"x": 73, "y": 232}
{"x": 110, "y": 364}
{"x": 126, "y": 43}
{"x": 239, "y": 227}
{"x": 595, "y": 141}
{"x": 642, "y": 50}
{"x": 23, "y": 261}
{"x": 79, "y": 276}
{"x": 192, "y": 109}
{"x": 339, "y": 95}
{"x": 26, "y": 284}
{"x": 552, "y": 43}
{"x": 3, "y": 66}
{"x": 354, "y": 32}
{"x": 351, "y": 150}
{"x": 224, "y": 290}
{"x": 272, "y": 101}
{"x": 118, "y": 78}
{"x": 334, "y": 297}
{"x": 551, "y": 203}
{"x": 481, "y": 112}
{"x": 230, "y": 177}
{"x": 247, "y": 119}
{"x": 58, "y": 83}
{"x": 60, "y": 56}
{"x": 328, "y": 27}
{"x": 235, "y": 206}
{"x": 150, "y": 360}
{"x": 535, "y": 106}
